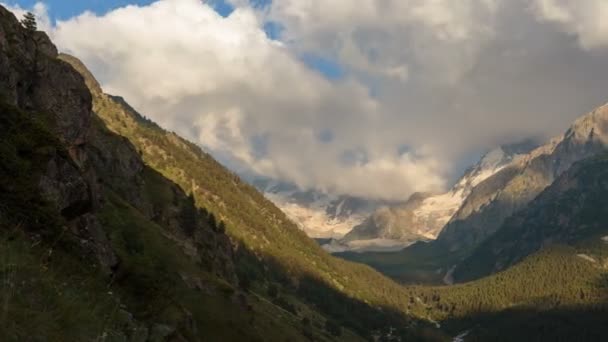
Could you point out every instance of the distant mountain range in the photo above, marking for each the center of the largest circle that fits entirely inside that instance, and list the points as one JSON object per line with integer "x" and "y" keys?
{"x": 554, "y": 194}
{"x": 423, "y": 216}
{"x": 319, "y": 214}
{"x": 348, "y": 223}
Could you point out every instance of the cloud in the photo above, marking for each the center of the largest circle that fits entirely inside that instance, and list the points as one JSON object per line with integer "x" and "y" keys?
{"x": 223, "y": 83}
{"x": 423, "y": 84}
{"x": 585, "y": 19}
{"x": 386, "y": 38}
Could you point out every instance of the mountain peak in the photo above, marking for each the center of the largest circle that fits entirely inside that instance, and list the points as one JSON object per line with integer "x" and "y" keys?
{"x": 591, "y": 126}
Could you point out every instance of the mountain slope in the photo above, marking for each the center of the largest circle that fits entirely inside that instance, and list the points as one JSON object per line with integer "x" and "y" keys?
{"x": 96, "y": 245}
{"x": 571, "y": 210}
{"x": 423, "y": 216}
{"x": 511, "y": 189}
{"x": 272, "y": 252}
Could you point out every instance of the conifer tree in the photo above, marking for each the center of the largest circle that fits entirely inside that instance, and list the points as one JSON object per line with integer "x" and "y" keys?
{"x": 29, "y": 22}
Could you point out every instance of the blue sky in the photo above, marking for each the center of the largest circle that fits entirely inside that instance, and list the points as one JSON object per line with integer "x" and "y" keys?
{"x": 64, "y": 9}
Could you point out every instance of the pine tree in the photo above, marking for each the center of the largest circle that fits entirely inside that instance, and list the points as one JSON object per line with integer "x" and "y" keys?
{"x": 29, "y": 22}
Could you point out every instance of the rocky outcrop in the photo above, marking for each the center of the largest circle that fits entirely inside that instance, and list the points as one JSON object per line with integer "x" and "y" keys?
{"x": 33, "y": 79}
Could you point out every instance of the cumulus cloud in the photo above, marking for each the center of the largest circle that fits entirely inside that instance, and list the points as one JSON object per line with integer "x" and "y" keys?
{"x": 423, "y": 83}
{"x": 381, "y": 37}
{"x": 223, "y": 83}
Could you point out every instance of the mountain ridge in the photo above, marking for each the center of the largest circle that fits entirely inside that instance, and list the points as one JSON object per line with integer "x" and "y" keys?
{"x": 501, "y": 195}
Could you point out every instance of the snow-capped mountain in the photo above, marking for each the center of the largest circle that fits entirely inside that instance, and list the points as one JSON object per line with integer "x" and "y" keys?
{"x": 318, "y": 214}
{"x": 424, "y": 215}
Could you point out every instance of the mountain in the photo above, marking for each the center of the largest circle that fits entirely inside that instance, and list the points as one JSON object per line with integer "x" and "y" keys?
{"x": 423, "y": 215}
{"x": 498, "y": 197}
{"x": 318, "y": 214}
{"x": 572, "y": 210}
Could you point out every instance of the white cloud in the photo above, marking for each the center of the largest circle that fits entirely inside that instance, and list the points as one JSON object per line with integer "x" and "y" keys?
{"x": 223, "y": 83}
{"x": 584, "y": 18}
{"x": 379, "y": 37}
{"x": 425, "y": 82}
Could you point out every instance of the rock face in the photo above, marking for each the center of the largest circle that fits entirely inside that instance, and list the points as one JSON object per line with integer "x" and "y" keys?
{"x": 424, "y": 215}
{"x": 511, "y": 189}
{"x": 31, "y": 78}
{"x": 573, "y": 208}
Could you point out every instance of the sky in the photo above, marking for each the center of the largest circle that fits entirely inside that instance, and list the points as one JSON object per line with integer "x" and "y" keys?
{"x": 371, "y": 98}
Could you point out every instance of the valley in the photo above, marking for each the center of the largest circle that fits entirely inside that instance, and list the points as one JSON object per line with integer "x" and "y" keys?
{"x": 114, "y": 228}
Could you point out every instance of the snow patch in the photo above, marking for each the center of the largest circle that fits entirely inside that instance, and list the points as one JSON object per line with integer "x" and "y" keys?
{"x": 313, "y": 219}
{"x": 436, "y": 211}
